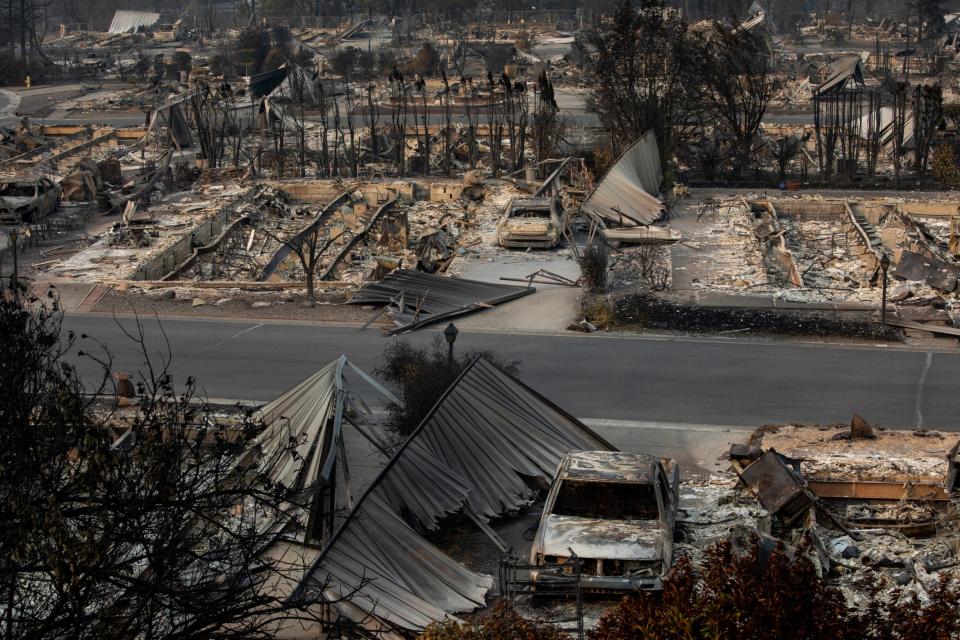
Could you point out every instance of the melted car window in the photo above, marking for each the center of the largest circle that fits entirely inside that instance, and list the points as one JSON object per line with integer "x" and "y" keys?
{"x": 15, "y": 190}
{"x": 606, "y": 500}
{"x": 531, "y": 213}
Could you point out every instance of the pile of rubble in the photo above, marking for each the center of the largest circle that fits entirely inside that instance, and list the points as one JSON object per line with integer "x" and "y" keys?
{"x": 872, "y": 508}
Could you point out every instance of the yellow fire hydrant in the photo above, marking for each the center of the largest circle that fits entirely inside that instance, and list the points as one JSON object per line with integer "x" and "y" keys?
{"x": 27, "y": 82}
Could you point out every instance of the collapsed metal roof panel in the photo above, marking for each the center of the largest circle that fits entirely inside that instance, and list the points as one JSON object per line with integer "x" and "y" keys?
{"x": 495, "y": 433}
{"x": 421, "y": 487}
{"x": 378, "y": 568}
{"x": 263, "y": 83}
{"x": 842, "y": 71}
{"x": 132, "y": 21}
{"x": 757, "y": 20}
{"x": 298, "y": 446}
{"x": 302, "y": 415}
{"x": 629, "y": 192}
{"x": 415, "y": 299}
{"x": 480, "y": 445}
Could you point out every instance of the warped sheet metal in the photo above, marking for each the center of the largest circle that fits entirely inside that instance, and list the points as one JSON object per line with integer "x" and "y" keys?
{"x": 842, "y": 71}
{"x": 495, "y": 433}
{"x": 628, "y": 194}
{"x": 778, "y": 485}
{"x": 484, "y": 444}
{"x": 132, "y": 21}
{"x": 641, "y": 235}
{"x": 917, "y": 267}
{"x": 263, "y": 84}
{"x": 384, "y": 577}
{"x": 283, "y": 252}
{"x": 883, "y": 122}
{"x": 303, "y": 415}
{"x": 180, "y": 128}
{"x": 415, "y": 299}
{"x": 759, "y": 19}
{"x": 311, "y": 415}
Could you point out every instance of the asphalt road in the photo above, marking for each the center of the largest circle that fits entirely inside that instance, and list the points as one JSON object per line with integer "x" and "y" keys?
{"x": 733, "y": 382}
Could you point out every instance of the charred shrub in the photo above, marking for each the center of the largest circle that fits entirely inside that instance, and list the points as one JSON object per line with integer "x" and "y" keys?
{"x": 421, "y": 374}
{"x": 753, "y": 593}
{"x": 503, "y": 623}
{"x": 732, "y": 596}
{"x": 594, "y": 263}
{"x": 653, "y": 312}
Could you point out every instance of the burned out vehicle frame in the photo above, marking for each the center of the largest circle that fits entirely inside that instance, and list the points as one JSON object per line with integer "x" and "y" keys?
{"x": 530, "y": 223}
{"x": 616, "y": 512}
{"x": 27, "y": 200}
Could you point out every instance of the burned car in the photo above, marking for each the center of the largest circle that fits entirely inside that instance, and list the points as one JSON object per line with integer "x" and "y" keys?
{"x": 530, "y": 222}
{"x": 27, "y": 200}
{"x": 616, "y": 511}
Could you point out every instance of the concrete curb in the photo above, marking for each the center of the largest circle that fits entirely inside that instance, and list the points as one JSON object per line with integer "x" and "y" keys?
{"x": 13, "y": 101}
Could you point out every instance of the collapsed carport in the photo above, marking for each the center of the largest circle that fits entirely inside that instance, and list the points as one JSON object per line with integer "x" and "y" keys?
{"x": 483, "y": 449}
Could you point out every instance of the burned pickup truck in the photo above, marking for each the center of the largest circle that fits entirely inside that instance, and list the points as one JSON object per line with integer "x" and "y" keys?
{"x": 530, "y": 222}
{"x": 616, "y": 511}
{"x": 27, "y": 200}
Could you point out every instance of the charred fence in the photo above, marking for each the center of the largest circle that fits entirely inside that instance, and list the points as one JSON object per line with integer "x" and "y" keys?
{"x": 555, "y": 580}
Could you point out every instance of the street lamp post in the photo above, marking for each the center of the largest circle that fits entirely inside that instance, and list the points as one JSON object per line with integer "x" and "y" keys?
{"x": 450, "y": 333}
{"x": 884, "y": 265}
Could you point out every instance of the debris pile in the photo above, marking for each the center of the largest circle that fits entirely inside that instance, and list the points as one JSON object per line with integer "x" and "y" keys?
{"x": 875, "y": 504}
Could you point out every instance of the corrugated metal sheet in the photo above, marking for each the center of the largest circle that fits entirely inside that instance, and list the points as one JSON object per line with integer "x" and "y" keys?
{"x": 378, "y": 572}
{"x": 133, "y": 21}
{"x": 263, "y": 83}
{"x": 421, "y": 487}
{"x": 415, "y": 299}
{"x": 842, "y": 71}
{"x": 628, "y": 194}
{"x": 481, "y": 445}
{"x": 759, "y": 19}
{"x": 883, "y": 122}
{"x": 180, "y": 128}
{"x": 311, "y": 415}
{"x": 496, "y": 434}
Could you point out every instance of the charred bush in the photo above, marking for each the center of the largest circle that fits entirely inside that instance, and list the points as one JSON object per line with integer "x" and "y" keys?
{"x": 653, "y": 312}
{"x": 503, "y": 623}
{"x": 751, "y": 592}
{"x": 594, "y": 263}
{"x": 421, "y": 374}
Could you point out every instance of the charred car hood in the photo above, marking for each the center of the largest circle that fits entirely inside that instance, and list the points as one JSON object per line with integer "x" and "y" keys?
{"x": 15, "y": 202}
{"x": 605, "y": 539}
{"x": 529, "y": 226}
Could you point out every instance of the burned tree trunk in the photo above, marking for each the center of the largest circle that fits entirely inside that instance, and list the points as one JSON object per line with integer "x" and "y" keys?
{"x": 354, "y": 161}
{"x": 470, "y": 94}
{"x": 927, "y": 114}
{"x": 426, "y": 128}
{"x": 448, "y": 124}
{"x": 874, "y": 135}
{"x": 398, "y": 115}
{"x": 324, "y": 104}
{"x": 899, "y": 128}
{"x": 373, "y": 119}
